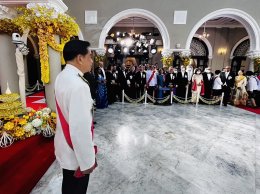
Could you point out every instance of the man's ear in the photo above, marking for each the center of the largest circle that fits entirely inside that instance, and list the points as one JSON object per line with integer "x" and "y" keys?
{"x": 79, "y": 59}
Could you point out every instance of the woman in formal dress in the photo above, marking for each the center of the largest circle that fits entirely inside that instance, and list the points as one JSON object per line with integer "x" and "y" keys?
{"x": 101, "y": 98}
{"x": 240, "y": 89}
{"x": 160, "y": 83}
{"x": 197, "y": 85}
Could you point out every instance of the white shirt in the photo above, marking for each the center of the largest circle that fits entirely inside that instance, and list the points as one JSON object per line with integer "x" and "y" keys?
{"x": 102, "y": 69}
{"x": 189, "y": 72}
{"x": 74, "y": 99}
{"x": 153, "y": 81}
{"x": 217, "y": 85}
{"x": 252, "y": 84}
{"x": 209, "y": 76}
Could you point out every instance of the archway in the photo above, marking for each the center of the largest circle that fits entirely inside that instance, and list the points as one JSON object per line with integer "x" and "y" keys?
{"x": 136, "y": 13}
{"x": 245, "y": 19}
{"x": 238, "y": 56}
{"x": 207, "y": 43}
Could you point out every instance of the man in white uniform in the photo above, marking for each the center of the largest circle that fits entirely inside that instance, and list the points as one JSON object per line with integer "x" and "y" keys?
{"x": 74, "y": 147}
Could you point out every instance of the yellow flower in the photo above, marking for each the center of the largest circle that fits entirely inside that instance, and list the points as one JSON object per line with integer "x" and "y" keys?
{"x": 22, "y": 121}
{"x": 11, "y": 117}
{"x": 19, "y": 132}
{"x": 53, "y": 115}
{"x": 26, "y": 117}
{"x": 9, "y": 126}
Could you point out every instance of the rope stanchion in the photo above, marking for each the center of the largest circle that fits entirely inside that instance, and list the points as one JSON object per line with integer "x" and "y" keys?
{"x": 171, "y": 96}
{"x": 209, "y": 101}
{"x": 187, "y": 91}
{"x": 37, "y": 85}
{"x": 123, "y": 96}
{"x": 197, "y": 99}
{"x": 222, "y": 98}
{"x": 145, "y": 97}
{"x": 151, "y": 98}
{"x": 178, "y": 99}
{"x": 163, "y": 100}
{"x": 134, "y": 100}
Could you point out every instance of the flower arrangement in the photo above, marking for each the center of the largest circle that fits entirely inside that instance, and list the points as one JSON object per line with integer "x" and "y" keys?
{"x": 257, "y": 60}
{"x": 167, "y": 61}
{"x": 186, "y": 61}
{"x": 7, "y": 26}
{"x": 33, "y": 122}
{"x": 99, "y": 58}
{"x": 167, "y": 58}
{"x": 46, "y": 23}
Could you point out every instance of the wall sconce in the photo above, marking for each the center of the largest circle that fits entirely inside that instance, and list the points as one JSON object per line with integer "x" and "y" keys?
{"x": 222, "y": 51}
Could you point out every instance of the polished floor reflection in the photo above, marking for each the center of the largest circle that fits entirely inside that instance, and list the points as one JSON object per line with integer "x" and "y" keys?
{"x": 171, "y": 149}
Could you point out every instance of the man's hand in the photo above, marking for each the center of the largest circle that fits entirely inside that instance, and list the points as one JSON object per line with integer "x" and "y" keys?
{"x": 88, "y": 171}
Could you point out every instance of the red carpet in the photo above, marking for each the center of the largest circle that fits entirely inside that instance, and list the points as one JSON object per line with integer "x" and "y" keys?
{"x": 24, "y": 163}
{"x": 35, "y": 100}
{"x": 254, "y": 110}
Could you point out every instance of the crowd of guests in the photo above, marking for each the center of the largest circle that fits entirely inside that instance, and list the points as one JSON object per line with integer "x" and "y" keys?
{"x": 185, "y": 82}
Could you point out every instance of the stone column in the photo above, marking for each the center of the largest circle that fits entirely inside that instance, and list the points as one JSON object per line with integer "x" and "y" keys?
{"x": 55, "y": 69}
{"x": 8, "y": 67}
{"x": 253, "y": 55}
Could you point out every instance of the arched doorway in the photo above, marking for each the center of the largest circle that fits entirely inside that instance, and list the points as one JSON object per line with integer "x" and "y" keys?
{"x": 238, "y": 54}
{"x": 249, "y": 25}
{"x": 136, "y": 13}
{"x": 134, "y": 40}
{"x": 199, "y": 53}
{"x": 245, "y": 19}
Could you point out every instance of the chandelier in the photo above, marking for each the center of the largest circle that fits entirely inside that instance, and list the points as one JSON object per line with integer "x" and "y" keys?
{"x": 204, "y": 34}
{"x": 132, "y": 42}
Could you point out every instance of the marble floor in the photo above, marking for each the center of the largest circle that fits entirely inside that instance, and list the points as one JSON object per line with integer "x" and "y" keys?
{"x": 178, "y": 149}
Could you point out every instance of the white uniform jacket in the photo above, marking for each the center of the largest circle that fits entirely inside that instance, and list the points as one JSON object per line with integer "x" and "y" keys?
{"x": 75, "y": 102}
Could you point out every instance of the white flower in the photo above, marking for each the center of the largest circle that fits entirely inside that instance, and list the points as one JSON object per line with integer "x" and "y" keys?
{"x": 47, "y": 110}
{"x": 37, "y": 122}
{"x": 38, "y": 14}
{"x": 39, "y": 113}
{"x": 28, "y": 127}
{"x": 33, "y": 131}
{"x": 46, "y": 115}
{"x": 29, "y": 109}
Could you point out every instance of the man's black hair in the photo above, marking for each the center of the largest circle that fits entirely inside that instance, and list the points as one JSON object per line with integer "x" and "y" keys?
{"x": 74, "y": 48}
{"x": 217, "y": 72}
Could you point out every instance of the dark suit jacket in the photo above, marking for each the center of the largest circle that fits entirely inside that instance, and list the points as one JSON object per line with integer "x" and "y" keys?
{"x": 141, "y": 81}
{"x": 131, "y": 77}
{"x": 169, "y": 81}
{"x": 122, "y": 79}
{"x": 230, "y": 80}
{"x": 92, "y": 82}
{"x": 182, "y": 81}
{"x": 208, "y": 83}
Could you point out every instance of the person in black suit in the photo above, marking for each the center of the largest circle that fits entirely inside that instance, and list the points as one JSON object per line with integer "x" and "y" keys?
{"x": 228, "y": 79}
{"x": 111, "y": 93}
{"x": 130, "y": 79}
{"x": 122, "y": 80}
{"x": 182, "y": 81}
{"x": 140, "y": 79}
{"x": 89, "y": 76}
{"x": 208, "y": 79}
{"x": 171, "y": 78}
